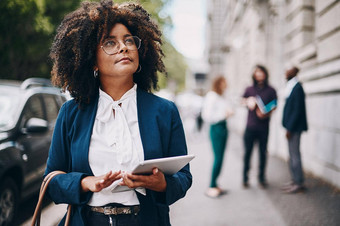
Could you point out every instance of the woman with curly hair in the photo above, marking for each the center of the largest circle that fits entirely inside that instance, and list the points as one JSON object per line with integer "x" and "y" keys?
{"x": 107, "y": 56}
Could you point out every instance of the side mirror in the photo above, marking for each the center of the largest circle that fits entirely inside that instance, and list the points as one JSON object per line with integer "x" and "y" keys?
{"x": 36, "y": 125}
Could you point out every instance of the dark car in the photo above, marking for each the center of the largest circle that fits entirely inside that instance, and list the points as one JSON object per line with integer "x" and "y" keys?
{"x": 28, "y": 111}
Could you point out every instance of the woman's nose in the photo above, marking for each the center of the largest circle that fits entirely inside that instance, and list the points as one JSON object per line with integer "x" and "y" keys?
{"x": 122, "y": 47}
{"x": 122, "y": 50}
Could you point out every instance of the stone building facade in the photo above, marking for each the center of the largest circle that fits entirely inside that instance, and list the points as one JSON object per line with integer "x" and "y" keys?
{"x": 278, "y": 33}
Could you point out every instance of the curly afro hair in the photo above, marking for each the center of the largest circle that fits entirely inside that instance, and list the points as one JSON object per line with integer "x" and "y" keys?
{"x": 73, "y": 51}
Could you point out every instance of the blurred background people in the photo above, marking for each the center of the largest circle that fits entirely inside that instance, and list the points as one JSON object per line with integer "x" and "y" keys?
{"x": 216, "y": 110}
{"x": 257, "y": 128}
{"x": 295, "y": 122}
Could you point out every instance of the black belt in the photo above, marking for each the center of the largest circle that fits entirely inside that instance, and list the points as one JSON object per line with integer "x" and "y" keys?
{"x": 108, "y": 210}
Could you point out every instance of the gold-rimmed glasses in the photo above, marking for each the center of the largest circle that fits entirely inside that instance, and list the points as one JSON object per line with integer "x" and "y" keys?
{"x": 111, "y": 46}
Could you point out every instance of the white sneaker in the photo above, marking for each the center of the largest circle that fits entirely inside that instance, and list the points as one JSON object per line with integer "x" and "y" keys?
{"x": 214, "y": 192}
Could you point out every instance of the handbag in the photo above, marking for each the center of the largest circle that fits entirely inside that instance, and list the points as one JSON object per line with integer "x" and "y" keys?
{"x": 43, "y": 188}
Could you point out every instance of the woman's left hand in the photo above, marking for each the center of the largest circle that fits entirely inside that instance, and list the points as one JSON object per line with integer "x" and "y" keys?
{"x": 156, "y": 181}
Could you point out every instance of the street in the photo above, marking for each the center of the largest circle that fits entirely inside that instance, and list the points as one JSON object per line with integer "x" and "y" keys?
{"x": 320, "y": 205}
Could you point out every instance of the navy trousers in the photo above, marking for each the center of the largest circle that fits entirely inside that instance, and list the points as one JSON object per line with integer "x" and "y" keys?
{"x": 250, "y": 137}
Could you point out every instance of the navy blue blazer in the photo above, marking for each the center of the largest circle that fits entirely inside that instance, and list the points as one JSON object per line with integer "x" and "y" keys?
{"x": 294, "y": 113}
{"x": 162, "y": 135}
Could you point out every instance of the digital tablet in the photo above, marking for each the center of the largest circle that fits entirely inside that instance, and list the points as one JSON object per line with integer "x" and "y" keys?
{"x": 169, "y": 165}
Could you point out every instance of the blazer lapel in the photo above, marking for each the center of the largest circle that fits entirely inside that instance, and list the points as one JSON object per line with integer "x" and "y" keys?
{"x": 145, "y": 114}
{"x": 87, "y": 120}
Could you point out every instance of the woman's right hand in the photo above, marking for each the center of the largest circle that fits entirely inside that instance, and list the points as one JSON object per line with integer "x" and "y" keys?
{"x": 98, "y": 183}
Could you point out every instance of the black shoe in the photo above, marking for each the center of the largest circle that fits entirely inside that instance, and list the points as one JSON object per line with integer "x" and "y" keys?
{"x": 245, "y": 185}
{"x": 263, "y": 184}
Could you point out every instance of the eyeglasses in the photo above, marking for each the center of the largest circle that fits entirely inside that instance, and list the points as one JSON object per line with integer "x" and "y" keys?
{"x": 112, "y": 46}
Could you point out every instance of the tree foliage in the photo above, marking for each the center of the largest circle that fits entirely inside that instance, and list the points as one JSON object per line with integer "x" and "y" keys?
{"x": 27, "y": 29}
{"x": 176, "y": 69}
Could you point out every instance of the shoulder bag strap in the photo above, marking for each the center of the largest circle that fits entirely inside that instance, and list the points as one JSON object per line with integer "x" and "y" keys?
{"x": 43, "y": 188}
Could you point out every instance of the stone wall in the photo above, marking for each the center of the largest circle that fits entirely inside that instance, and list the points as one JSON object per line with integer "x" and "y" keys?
{"x": 320, "y": 60}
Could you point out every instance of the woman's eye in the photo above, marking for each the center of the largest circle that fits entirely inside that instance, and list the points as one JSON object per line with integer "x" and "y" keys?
{"x": 129, "y": 41}
{"x": 109, "y": 43}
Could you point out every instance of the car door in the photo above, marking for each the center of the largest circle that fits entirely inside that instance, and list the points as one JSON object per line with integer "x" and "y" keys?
{"x": 34, "y": 144}
{"x": 51, "y": 109}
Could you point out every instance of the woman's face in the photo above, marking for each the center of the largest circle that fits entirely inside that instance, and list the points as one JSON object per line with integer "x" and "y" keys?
{"x": 121, "y": 64}
{"x": 223, "y": 85}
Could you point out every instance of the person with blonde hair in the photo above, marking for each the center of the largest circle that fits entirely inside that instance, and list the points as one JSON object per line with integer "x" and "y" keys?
{"x": 216, "y": 110}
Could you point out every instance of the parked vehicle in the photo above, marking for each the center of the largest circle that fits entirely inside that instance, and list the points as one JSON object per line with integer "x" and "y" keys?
{"x": 28, "y": 111}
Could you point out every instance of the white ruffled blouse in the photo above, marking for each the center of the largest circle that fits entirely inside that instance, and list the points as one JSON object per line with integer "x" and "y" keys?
{"x": 115, "y": 144}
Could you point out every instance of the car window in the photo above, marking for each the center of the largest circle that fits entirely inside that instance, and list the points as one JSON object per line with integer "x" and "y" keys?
{"x": 51, "y": 107}
{"x": 33, "y": 109}
{"x": 8, "y": 109}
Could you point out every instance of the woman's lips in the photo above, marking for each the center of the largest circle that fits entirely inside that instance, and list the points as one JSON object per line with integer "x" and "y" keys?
{"x": 124, "y": 59}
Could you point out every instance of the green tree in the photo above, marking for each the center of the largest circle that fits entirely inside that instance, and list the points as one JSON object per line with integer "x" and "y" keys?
{"x": 156, "y": 10}
{"x": 18, "y": 35}
{"x": 176, "y": 68}
{"x": 27, "y": 28}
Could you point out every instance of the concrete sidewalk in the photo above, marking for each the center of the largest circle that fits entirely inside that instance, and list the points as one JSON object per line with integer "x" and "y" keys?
{"x": 253, "y": 206}
{"x": 50, "y": 215}
{"x": 320, "y": 205}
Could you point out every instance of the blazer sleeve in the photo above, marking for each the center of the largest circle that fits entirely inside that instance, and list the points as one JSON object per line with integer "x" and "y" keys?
{"x": 64, "y": 188}
{"x": 180, "y": 182}
{"x": 295, "y": 111}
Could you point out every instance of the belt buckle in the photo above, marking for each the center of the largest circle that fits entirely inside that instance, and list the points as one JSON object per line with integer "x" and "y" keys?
{"x": 108, "y": 210}
{"x": 135, "y": 210}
